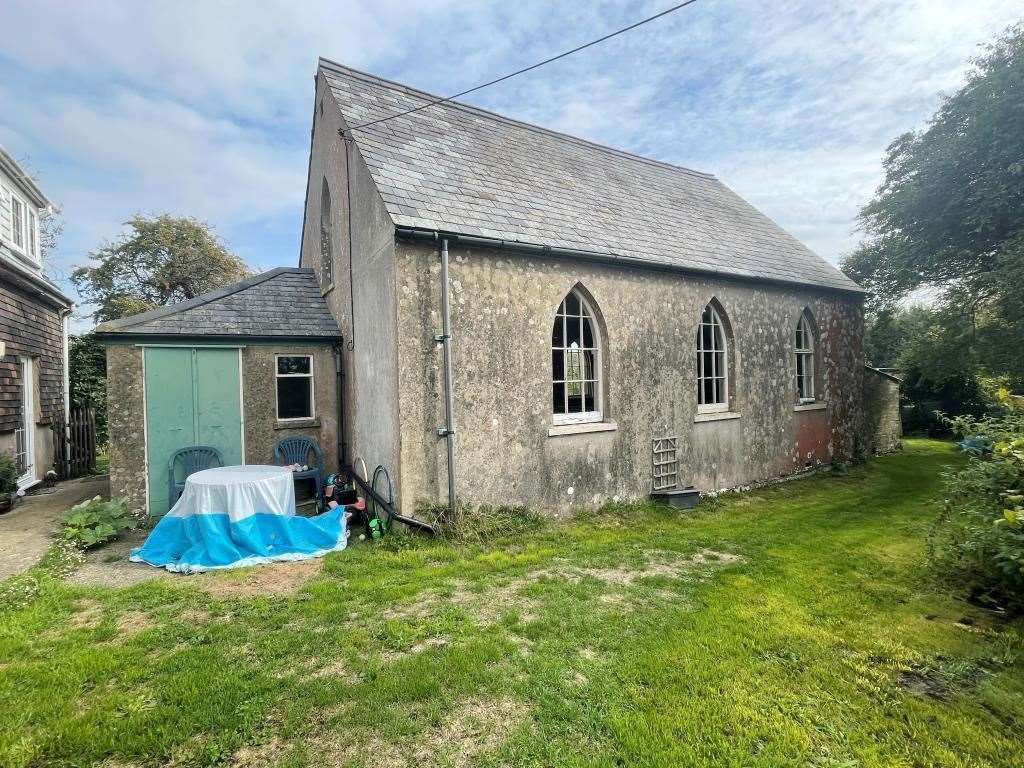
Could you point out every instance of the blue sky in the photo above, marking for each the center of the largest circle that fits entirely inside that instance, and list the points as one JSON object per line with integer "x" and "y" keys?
{"x": 204, "y": 109}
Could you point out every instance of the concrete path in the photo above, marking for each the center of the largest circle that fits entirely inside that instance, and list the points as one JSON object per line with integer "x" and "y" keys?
{"x": 27, "y": 531}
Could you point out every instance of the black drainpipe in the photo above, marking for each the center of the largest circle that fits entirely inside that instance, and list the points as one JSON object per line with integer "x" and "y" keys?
{"x": 339, "y": 383}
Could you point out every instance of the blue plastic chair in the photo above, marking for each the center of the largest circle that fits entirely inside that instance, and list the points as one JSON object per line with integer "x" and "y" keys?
{"x": 190, "y": 461}
{"x": 302, "y": 450}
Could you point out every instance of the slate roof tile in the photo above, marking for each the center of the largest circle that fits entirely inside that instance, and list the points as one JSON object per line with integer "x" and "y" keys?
{"x": 458, "y": 168}
{"x": 284, "y": 302}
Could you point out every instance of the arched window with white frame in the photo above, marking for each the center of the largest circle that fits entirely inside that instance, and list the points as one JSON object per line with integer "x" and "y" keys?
{"x": 712, "y": 362}
{"x": 803, "y": 350}
{"x": 576, "y": 387}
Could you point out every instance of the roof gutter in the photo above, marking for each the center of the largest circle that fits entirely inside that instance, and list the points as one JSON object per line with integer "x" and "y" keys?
{"x": 433, "y": 235}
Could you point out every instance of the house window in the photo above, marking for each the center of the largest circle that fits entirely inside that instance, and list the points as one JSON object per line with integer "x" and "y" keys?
{"x": 18, "y": 222}
{"x": 712, "y": 363}
{"x": 575, "y": 363}
{"x": 294, "y": 387}
{"x": 33, "y": 240}
{"x": 803, "y": 348}
{"x": 326, "y": 227}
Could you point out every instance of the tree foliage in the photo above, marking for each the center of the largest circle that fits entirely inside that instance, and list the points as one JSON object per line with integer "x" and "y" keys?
{"x": 159, "y": 261}
{"x": 949, "y": 216}
{"x": 87, "y": 375}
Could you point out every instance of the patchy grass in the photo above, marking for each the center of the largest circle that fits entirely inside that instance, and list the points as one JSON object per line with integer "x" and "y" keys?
{"x": 788, "y": 626}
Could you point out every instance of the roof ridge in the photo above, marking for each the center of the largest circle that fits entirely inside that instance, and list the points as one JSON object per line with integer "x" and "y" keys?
{"x": 334, "y": 66}
{"x": 198, "y": 301}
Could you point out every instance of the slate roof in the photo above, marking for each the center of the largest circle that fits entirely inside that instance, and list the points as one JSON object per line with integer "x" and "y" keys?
{"x": 456, "y": 168}
{"x": 283, "y": 303}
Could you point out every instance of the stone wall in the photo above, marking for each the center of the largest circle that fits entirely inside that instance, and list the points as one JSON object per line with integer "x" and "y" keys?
{"x": 883, "y": 429}
{"x": 362, "y": 292}
{"x": 503, "y": 306}
{"x": 126, "y": 419}
{"x": 262, "y": 429}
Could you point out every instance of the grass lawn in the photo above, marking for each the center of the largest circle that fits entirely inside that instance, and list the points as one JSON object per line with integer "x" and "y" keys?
{"x": 790, "y": 626}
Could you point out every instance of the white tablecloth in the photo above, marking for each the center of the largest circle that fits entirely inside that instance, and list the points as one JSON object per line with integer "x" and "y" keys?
{"x": 238, "y": 492}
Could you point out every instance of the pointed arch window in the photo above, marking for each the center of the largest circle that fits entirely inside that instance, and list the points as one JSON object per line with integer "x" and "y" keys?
{"x": 576, "y": 394}
{"x": 326, "y": 230}
{"x": 712, "y": 362}
{"x": 803, "y": 349}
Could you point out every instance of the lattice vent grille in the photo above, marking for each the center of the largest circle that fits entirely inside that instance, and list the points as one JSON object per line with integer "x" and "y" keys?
{"x": 664, "y": 463}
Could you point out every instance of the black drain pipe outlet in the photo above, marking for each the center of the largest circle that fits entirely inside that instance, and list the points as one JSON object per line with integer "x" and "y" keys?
{"x": 445, "y": 340}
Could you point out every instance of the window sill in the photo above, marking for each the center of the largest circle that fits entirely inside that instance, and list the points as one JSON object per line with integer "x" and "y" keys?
{"x": 313, "y": 423}
{"x": 715, "y": 416}
{"x": 581, "y": 429}
{"x": 819, "y": 406}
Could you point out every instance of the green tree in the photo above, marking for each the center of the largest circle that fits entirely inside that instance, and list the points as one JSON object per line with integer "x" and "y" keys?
{"x": 950, "y": 215}
{"x": 87, "y": 374}
{"x": 159, "y": 261}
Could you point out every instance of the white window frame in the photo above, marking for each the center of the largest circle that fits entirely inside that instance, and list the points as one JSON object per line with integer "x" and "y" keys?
{"x": 716, "y": 324}
{"x": 583, "y": 417}
{"x": 804, "y": 345}
{"x": 28, "y": 223}
{"x": 32, "y": 229}
{"x": 18, "y": 227}
{"x": 312, "y": 386}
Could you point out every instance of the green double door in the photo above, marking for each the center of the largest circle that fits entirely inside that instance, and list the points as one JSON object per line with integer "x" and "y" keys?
{"x": 193, "y": 397}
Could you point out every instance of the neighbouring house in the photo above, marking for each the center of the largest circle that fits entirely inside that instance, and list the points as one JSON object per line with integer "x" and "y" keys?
{"x": 618, "y": 325}
{"x": 33, "y": 330}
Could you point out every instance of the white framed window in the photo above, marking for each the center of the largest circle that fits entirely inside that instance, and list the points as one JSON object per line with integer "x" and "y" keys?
{"x": 294, "y": 375}
{"x": 576, "y": 395}
{"x": 32, "y": 227}
{"x": 712, "y": 363}
{"x": 18, "y": 222}
{"x": 24, "y": 228}
{"x": 803, "y": 349}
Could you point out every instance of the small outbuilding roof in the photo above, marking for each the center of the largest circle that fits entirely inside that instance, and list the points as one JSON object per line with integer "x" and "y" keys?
{"x": 283, "y": 303}
{"x": 454, "y": 168}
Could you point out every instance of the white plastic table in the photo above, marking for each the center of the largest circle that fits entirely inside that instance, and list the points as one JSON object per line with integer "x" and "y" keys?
{"x": 238, "y": 492}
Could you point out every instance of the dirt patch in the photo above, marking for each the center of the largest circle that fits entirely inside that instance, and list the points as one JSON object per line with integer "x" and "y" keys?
{"x": 337, "y": 669}
{"x": 87, "y": 614}
{"x": 274, "y": 579}
{"x": 474, "y": 728}
{"x": 495, "y": 601}
{"x": 108, "y": 566}
{"x": 259, "y": 755}
{"x": 923, "y": 684}
{"x": 131, "y": 623}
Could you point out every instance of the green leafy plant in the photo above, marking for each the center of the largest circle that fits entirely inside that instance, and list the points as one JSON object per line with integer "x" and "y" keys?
{"x": 978, "y": 539}
{"x": 95, "y": 522}
{"x": 8, "y": 474}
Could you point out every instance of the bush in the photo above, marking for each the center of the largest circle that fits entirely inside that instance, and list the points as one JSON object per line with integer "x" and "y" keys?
{"x": 8, "y": 474}
{"x": 96, "y": 522}
{"x": 978, "y": 539}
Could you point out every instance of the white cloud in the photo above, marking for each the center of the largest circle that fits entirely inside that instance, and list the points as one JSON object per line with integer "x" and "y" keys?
{"x": 203, "y": 108}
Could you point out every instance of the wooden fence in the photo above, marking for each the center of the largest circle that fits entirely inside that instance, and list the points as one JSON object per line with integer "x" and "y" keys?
{"x": 74, "y": 443}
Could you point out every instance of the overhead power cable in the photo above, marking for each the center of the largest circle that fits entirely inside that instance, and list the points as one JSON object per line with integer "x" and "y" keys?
{"x": 577, "y": 49}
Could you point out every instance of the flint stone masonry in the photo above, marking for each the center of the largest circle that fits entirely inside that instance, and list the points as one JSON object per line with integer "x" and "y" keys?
{"x": 503, "y": 307}
{"x": 883, "y": 430}
{"x": 126, "y": 419}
